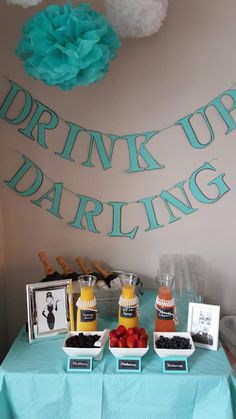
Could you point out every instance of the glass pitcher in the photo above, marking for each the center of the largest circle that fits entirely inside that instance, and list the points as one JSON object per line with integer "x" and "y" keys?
{"x": 128, "y": 303}
{"x": 86, "y": 304}
{"x": 165, "y": 304}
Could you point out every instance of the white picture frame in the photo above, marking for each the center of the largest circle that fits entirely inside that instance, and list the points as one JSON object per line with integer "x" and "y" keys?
{"x": 203, "y": 324}
{"x": 47, "y": 309}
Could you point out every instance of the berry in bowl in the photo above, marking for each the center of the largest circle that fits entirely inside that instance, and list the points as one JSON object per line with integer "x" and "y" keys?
{"x": 85, "y": 343}
{"x": 167, "y": 344}
{"x": 131, "y": 342}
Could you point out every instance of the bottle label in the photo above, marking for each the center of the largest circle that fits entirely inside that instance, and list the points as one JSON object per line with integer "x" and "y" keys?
{"x": 87, "y": 315}
{"x": 165, "y": 313}
{"x": 128, "y": 312}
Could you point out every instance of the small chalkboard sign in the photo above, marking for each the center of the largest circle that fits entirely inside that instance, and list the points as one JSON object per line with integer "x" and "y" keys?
{"x": 87, "y": 315}
{"x": 79, "y": 364}
{"x": 165, "y": 313}
{"x": 175, "y": 365}
{"x": 128, "y": 312}
{"x": 128, "y": 364}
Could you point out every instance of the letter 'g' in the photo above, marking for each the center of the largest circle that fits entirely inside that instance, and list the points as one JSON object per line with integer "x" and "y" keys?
{"x": 218, "y": 182}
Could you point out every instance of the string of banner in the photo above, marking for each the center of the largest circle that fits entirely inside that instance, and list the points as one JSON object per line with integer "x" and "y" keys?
{"x": 106, "y": 202}
{"x": 84, "y": 217}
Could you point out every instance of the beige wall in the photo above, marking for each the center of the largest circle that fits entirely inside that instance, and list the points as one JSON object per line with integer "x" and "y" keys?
{"x": 154, "y": 82}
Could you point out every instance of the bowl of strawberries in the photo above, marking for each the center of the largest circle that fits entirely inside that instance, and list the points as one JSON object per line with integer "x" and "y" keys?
{"x": 132, "y": 342}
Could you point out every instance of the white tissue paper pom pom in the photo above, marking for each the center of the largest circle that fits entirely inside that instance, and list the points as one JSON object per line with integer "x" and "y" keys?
{"x": 25, "y": 3}
{"x": 136, "y": 18}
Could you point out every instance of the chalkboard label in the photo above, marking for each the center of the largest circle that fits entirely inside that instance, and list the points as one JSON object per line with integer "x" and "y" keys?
{"x": 128, "y": 364}
{"x": 175, "y": 365}
{"x": 166, "y": 313}
{"x": 79, "y": 364}
{"x": 87, "y": 315}
{"x": 128, "y": 312}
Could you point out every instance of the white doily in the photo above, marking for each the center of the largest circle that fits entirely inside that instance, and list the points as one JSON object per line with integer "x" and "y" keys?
{"x": 128, "y": 302}
{"x": 165, "y": 303}
{"x": 86, "y": 305}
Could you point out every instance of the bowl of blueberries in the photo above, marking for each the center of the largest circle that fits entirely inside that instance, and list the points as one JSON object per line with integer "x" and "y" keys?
{"x": 173, "y": 344}
{"x": 85, "y": 343}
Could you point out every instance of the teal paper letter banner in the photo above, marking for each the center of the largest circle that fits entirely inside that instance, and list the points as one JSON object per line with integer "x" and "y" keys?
{"x": 174, "y": 202}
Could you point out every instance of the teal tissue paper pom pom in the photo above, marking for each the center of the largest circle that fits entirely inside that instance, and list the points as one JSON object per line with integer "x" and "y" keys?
{"x": 68, "y": 47}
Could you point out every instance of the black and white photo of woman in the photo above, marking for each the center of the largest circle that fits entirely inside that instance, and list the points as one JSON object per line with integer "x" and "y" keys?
{"x": 202, "y": 334}
{"x": 48, "y": 311}
{"x": 51, "y": 306}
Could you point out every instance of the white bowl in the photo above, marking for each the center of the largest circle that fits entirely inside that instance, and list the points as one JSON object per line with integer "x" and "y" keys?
{"x": 128, "y": 352}
{"x": 93, "y": 352}
{"x": 164, "y": 353}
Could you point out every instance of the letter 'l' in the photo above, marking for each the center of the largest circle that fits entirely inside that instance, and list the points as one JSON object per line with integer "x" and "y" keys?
{"x": 116, "y": 225}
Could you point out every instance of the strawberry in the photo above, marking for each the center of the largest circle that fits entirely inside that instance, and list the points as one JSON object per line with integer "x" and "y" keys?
{"x": 142, "y": 331}
{"x": 122, "y": 342}
{"x": 130, "y": 331}
{"x": 135, "y": 336}
{"x": 144, "y": 337}
{"x": 131, "y": 342}
{"x": 141, "y": 343}
{"x": 120, "y": 331}
{"x": 112, "y": 333}
{"x": 113, "y": 342}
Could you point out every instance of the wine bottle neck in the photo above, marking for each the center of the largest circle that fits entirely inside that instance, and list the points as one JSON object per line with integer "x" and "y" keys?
{"x": 48, "y": 267}
{"x": 65, "y": 267}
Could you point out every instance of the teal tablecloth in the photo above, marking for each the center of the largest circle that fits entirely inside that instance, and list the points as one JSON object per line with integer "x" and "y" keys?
{"x": 34, "y": 384}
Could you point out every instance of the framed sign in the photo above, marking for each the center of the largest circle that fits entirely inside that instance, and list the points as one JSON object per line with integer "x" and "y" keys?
{"x": 203, "y": 324}
{"x": 47, "y": 309}
{"x": 128, "y": 364}
{"x": 80, "y": 364}
{"x": 175, "y": 365}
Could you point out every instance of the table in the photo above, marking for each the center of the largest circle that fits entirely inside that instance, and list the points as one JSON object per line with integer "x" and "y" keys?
{"x": 34, "y": 383}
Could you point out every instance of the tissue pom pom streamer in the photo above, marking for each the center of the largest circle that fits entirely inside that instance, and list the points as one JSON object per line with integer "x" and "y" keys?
{"x": 68, "y": 47}
{"x": 25, "y": 3}
{"x": 136, "y": 18}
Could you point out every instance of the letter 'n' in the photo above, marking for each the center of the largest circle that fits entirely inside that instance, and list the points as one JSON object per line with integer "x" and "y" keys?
{"x": 185, "y": 207}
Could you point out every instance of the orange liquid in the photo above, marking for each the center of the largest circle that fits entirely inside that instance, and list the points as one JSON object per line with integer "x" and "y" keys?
{"x": 164, "y": 325}
{"x": 86, "y": 294}
{"x": 128, "y": 291}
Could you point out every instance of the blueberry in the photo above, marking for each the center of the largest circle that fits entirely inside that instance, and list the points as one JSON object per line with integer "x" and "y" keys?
{"x": 176, "y": 342}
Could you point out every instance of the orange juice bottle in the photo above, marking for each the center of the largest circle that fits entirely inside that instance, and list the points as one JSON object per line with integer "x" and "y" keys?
{"x": 86, "y": 305}
{"x": 128, "y": 303}
{"x": 165, "y": 305}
